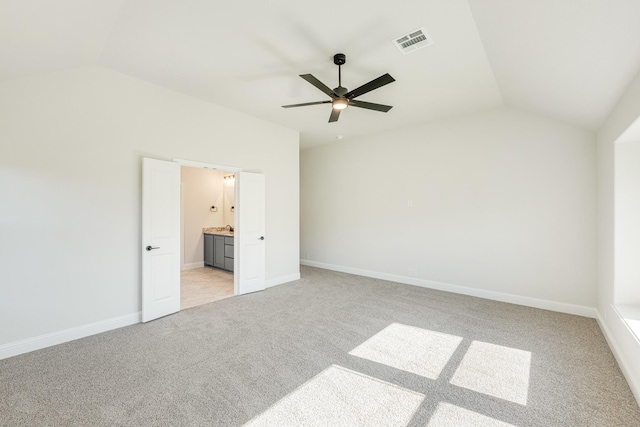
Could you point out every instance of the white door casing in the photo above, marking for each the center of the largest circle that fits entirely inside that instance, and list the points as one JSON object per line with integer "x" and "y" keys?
{"x": 160, "y": 238}
{"x": 251, "y": 211}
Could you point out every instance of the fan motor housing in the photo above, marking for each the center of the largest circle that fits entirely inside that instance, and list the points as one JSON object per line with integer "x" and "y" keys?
{"x": 340, "y": 91}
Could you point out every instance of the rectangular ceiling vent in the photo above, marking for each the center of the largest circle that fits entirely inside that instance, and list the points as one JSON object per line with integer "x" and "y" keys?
{"x": 413, "y": 41}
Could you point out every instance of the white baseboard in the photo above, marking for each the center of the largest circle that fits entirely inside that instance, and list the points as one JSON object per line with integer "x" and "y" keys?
{"x": 280, "y": 280}
{"x": 561, "y": 307}
{"x": 621, "y": 357}
{"x": 59, "y": 337}
{"x": 192, "y": 266}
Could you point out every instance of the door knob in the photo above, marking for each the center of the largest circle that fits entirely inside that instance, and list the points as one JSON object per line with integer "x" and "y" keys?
{"x": 261, "y": 237}
{"x": 150, "y": 248}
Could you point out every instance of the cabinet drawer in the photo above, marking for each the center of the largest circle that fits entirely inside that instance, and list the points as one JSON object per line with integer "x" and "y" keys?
{"x": 228, "y": 240}
{"x": 228, "y": 264}
{"x": 228, "y": 251}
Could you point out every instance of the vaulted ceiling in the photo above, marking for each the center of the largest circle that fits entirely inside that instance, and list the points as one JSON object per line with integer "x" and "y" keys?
{"x": 568, "y": 60}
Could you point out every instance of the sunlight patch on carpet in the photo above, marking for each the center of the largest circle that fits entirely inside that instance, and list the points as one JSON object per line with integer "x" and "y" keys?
{"x": 411, "y": 349}
{"x": 340, "y": 397}
{"x": 448, "y": 415}
{"x": 497, "y": 371}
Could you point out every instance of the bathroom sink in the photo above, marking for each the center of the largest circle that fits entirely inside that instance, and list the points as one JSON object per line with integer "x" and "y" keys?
{"x": 217, "y": 230}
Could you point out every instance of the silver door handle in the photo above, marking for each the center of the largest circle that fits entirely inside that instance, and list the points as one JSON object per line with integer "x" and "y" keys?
{"x": 150, "y": 248}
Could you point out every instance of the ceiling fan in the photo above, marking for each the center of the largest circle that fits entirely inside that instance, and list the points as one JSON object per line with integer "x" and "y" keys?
{"x": 341, "y": 97}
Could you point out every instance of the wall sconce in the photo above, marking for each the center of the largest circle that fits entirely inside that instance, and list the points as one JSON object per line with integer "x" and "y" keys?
{"x": 213, "y": 209}
{"x": 233, "y": 208}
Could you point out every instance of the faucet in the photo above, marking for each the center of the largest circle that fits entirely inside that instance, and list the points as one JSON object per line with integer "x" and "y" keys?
{"x": 229, "y": 228}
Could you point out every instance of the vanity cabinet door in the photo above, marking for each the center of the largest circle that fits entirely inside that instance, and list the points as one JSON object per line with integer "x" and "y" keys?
{"x": 208, "y": 249}
{"x": 218, "y": 251}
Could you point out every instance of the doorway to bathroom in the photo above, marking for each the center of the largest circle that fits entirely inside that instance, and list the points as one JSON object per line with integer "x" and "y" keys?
{"x": 207, "y": 223}
{"x": 163, "y": 241}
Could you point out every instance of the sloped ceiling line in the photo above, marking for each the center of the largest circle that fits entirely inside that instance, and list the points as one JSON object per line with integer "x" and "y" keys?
{"x": 568, "y": 60}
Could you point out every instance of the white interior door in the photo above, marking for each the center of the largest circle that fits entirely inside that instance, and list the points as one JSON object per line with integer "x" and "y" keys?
{"x": 251, "y": 227}
{"x": 160, "y": 238}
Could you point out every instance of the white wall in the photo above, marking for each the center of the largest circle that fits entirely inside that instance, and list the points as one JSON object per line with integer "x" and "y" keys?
{"x": 229, "y": 201}
{"x": 503, "y": 202}
{"x": 625, "y": 345}
{"x": 71, "y": 145}
{"x": 627, "y": 223}
{"x": 201, "y": 189}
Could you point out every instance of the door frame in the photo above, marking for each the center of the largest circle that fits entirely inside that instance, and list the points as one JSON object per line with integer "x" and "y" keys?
{"x": 236, "y": 190}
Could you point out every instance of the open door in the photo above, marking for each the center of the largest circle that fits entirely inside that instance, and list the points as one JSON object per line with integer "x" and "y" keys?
{"x": 250, "y": 227}
{"x": 160, "y": 238}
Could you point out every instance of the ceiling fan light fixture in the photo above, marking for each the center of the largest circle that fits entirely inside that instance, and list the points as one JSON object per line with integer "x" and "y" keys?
{"x": 340, "y": 103}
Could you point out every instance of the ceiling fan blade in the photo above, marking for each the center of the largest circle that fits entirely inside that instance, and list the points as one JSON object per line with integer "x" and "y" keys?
{"x": 306, "y": 103}
{"x": 334, "y": 115}
{"x": 370, "y": 105}
{"x": 368, "y": 87}
{"x": 317, "y": 83}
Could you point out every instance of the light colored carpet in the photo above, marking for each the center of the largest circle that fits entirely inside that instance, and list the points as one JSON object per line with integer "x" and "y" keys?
{"x": 329, "y": 349}
{"x": 204, "y": 285}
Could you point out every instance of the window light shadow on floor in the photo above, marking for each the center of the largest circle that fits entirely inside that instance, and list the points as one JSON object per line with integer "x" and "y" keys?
{"x": 448, "y": 415}
{"x": 340, "y": 397}
{"x": 411, "y": 349}
{"x": 495, "y": 370}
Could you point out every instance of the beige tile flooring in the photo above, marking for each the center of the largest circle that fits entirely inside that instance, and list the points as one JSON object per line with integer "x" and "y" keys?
{"x": 202, "y": 285}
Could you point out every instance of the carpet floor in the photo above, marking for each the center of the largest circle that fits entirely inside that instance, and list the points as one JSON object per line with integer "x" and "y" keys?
{"x": 330, "y": 349}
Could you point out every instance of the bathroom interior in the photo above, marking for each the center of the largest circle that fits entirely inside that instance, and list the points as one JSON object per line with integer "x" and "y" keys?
{"x": 207, "y": 235}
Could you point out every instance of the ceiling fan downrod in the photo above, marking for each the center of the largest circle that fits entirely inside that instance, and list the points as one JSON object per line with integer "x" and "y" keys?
{"x": 340, "y": 102}
{"x": 339, "y": 59}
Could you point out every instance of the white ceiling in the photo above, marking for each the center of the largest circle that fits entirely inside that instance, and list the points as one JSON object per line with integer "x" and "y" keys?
{"x": 564, "y": 59}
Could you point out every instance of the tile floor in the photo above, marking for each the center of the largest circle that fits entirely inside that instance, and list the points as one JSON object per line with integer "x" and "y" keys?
{"x": 203, "y": 285}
